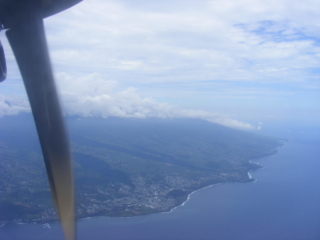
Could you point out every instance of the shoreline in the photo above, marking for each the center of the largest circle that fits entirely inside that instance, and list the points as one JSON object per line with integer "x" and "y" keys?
{"x": 46, "y": 223}
{"x": 189, "y": 196}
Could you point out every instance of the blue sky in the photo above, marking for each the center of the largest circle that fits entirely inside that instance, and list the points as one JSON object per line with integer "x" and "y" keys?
{"x": 238, "y": 63}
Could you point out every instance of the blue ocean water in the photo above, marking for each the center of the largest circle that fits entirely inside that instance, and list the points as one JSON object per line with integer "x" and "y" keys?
{"x": 282, "y": 204}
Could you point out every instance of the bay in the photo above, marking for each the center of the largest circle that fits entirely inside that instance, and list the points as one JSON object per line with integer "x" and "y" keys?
{"x": 282, "y": 204}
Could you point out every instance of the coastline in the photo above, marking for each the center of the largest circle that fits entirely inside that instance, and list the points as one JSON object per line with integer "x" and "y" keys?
{"x": 258, "y": 166}
{"x": 249, "y": 179}
{"x": 208, "y": 212}
{"x": 189, "y": 196}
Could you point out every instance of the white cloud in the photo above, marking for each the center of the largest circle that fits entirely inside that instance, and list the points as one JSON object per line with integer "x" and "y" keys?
{"x": 168, "y": 41}
{"x": 13, "y": 105}
{"x": 237, "y": 53}
{"x": 91, "y": 96}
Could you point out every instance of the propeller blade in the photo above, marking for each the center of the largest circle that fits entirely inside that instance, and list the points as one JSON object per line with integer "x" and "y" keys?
{"x": 28, "y": 43}
{"x": 3, "y": 66}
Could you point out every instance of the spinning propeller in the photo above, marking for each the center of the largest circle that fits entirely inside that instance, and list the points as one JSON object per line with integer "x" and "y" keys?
{"x": 24, "y": 21}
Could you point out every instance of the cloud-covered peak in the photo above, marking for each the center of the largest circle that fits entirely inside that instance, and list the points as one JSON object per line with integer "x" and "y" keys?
{"x": 92, "y": 96}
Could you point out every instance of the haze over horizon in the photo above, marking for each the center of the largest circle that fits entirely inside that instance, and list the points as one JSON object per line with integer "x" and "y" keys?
{"x": 236, "y": 63}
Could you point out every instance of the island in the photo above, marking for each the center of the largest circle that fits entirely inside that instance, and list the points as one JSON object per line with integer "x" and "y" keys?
{"x": 124, "y": 167}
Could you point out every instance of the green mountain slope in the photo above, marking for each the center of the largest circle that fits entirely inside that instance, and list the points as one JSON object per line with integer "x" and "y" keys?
{"x": 124, "y": 167}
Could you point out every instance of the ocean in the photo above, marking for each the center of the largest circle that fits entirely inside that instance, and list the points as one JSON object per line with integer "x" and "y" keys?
{"x": 282, "y": 204}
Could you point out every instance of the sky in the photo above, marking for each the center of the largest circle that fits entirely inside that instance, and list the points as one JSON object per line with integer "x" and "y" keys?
{"x": 240, "y": 63}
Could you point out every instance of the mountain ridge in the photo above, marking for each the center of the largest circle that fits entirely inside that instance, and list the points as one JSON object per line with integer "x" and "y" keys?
{"x": 125, "y": 167}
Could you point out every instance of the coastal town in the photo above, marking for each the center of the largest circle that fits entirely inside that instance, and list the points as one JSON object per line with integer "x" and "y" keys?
{"x": 119, "y": 199}
{"x": 130, "y": 172}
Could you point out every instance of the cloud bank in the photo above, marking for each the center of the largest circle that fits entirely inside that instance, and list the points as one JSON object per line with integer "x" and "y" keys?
{"x": 250, "y": 58}
{"x": 174, "y": 41}
{"x": 92, "y": 96}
